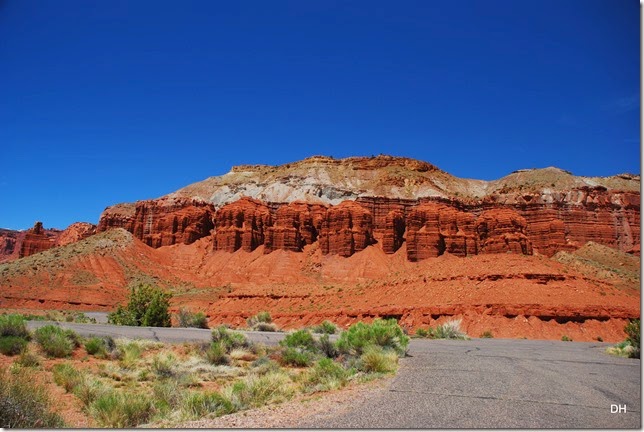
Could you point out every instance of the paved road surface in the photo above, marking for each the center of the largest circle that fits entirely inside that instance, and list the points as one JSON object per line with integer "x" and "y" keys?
{"x": 161, "y": 334}
{"x": 496, "y": 383}
{"x": 482, "y": 383}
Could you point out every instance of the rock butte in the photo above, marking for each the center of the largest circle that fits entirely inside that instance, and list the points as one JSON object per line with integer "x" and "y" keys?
{"x": 379, "y": 223}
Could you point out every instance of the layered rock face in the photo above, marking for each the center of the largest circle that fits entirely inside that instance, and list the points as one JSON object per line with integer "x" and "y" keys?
{"x": 37, "y": 239}
{"x": 296, "y": 224}
{"x": 75, "y": 232}
{"x": 241, "y": 225}
{"x": 161, "y": 222}
{"x": 346, "y": 229}
{"x": 502, "y": 230}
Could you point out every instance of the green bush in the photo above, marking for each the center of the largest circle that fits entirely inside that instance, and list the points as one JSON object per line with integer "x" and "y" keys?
{"x": 261, "y": 317}
{"x": 199, "y": 404}
{"x": 147, "y": 306}
{"x": 96, "y": 346}
{"x": 297, "y": 357}
{"x": 422, "y": 333}
{"x": 13, "y": 325}
{"x": 121, "y": 409}
{"x": 66, "y": 376}
{"x": 487, "y": 334}
{"x": 229, "y": 339}
{"x": 327, "y": 347}
{"x": 88, "y": 390}
{"x": 24, "y": 404}
{"x": 167, "y": 395}
{"x": 632, "y": 331}
{"x": 301, "y": 339}
{"x": 376, "y": 359}
{"x": 255, "y": 391}
{"x": 327, "y": 327}
{"x": 384, "y": 333}
{"x": 185, "y": 318}
{"x": 164, "y": 366}
{"x": 326, "y": 375}
{"x": 217, "y": 354}
{"x": 28, "y": 359}
{"x": 566, "y": 338}
{"x": 449, "y": 330}
{"x": 12, "y": 345}
{"x": 55, "y": 341}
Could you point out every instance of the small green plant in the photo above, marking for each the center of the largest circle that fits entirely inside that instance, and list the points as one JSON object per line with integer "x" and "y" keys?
{"x": 326, "y": 375}
{"x": 55, "y": 341}
{"x": 217, "y": 354}
{"x": 88, "y": 390}
{"x": 24, "y": 404}
{"x": 565, "y": 338}
{"x": 229, "y": 339}
{"x": 261, "y": 322}
{"x": 422, "y": 333}
{"x": 164, "y": 366}
{"x": 487, "y": 334}
{"x": 301, "y": 339}
{"x": 66, "y": 376}
{"x": 449, "y": 330}
{"x": 255, "y": 391}
{"x": 121, "y": 409}
{"x": 96, "y": 346}
{"x": 327, "y": 347}
{"x": 199, "y": 404}
{"x": 185, "y": 318}
{"x": 297, "y": 357}
{"x": 376, "y": 359}
{"x": 327, "y": 327}
{"x": 12, "y": 345}
{"x": 147, "y": 306}
{"x": 632, "y": 331}
{"x": 13, "y": 325}
{"x": 384, "y": 333}
{"x": 28, "y": 359}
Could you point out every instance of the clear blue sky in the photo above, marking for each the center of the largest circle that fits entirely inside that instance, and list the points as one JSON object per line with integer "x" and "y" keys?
{"x": 112, "y": 101}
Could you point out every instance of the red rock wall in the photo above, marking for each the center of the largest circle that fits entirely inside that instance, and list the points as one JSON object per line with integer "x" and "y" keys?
{"x": 75, "y": 232}
{"x": 37, "y": 239}
{"x": 502, "y": 230}
{"x": 241, "y": 225}
{"x": 161, "y": 222}
{"x": 296, "y": 224}
{"x": 347, "y": 228}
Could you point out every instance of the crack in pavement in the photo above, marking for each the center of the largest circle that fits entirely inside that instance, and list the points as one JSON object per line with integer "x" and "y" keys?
{"x": 501, "y": 399}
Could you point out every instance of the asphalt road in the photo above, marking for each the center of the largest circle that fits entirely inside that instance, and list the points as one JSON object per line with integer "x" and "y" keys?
{"x": 501, "y": 383}
{"x": 482, "y": 383}
{"x": 161, "y": 334}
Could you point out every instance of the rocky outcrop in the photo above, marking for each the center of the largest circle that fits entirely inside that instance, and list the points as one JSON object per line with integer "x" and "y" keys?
{"x": 393, "y": 236}
{"x": 433, "y": 229}
{"x": 37, "y": 239}
{"x": 75, "y": 232}
{"x": 241, "y": 225}
{"x": 502, "y": 230}
{"x": 296, "y": 224}
{"x": 346, "y": 229}
{"x": 161, "y": 222}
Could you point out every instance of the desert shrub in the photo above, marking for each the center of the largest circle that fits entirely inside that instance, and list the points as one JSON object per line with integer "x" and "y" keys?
{"x": 217, "y": 354}
{"x": 261, "y": 317}
{"x": 229, "y": 339}
{"x": 301, "y": 339}
{"x": 265, "y": 327}
{"x": 255, "y": 391}
{"x": 376, "y": 359}
{"x": 422, "y": 333}
{"x": 121, "y": 409}
{"x": 96, "y": 346}
{"x": 167, "y": 395}
{"x": 384, "y": 333}
{"x": 327, "y": 347}
{"x": 66, "y": 376}
{"x": 88, "y": 390}
{"x": 327, "y": 327}
{"x": 164, "y": 366}
{"x": 449, "y": 330}
{"x": 199, "y": 404}
{"x": 186, "y": 318}
{"x": 147, "y": 306}
{"x": 13, "y": 325}
{"x": 296, "y": 357}
{"x": 28, "y": 359}
{"x": 130, "y": 354}
{"x": 565, "y": 338}
{"x": 55, "y": 341}
{"x": 24, "y": 404}
{"x": 632, "y": 331}
{"x": 326, "y": 375}
{"x": 487, "y": 334}
{"x": 12, "y": 345}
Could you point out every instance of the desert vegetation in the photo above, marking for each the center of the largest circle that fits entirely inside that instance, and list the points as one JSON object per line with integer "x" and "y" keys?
{"x": 147, "y": 305}
{"x": 127, "y": 383}
{"x": 449, "y": 330}
{"x": 631, "y": 346}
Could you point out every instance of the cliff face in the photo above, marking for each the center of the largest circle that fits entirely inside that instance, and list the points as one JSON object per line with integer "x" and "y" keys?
{"x": 346, "y": 205}
{"x": 161, "y": 222}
